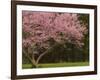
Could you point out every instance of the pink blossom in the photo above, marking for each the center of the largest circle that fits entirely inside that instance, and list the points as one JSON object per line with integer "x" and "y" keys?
{"x": 45, "y": 25}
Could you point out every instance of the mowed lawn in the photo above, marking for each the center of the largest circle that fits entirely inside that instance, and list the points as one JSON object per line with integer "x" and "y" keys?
{"x": 50, "y": 65}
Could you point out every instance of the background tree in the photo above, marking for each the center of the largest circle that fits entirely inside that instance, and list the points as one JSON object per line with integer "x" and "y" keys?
{"x": 84, "y": 19}
{"x": 45, "y": 31}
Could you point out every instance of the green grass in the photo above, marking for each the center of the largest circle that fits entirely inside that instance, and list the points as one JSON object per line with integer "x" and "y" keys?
{"x": 50, "y": 65}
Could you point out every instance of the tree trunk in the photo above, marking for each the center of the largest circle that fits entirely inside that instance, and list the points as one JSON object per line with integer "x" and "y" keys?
{"x": 32, "y": 60}
{"x": 34, "y": 65}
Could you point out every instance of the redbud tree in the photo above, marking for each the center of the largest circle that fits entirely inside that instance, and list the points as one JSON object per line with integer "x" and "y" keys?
{"x": 44, "y": 30}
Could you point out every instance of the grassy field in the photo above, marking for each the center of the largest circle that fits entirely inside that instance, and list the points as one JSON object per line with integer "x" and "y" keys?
{"x": 49, "y": 65}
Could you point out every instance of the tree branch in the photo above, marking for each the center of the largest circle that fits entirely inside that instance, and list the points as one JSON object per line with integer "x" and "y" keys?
{"x": 37, "y": 61}
{"x": 31, "y": 59}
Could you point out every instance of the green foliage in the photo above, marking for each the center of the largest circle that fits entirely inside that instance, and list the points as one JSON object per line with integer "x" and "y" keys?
{"x": 84, "y": 18}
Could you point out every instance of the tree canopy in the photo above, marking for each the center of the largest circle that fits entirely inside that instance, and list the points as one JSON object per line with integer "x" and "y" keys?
{"x": 42, "y": 30}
